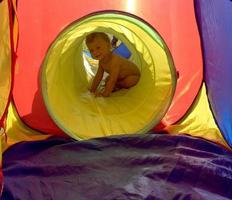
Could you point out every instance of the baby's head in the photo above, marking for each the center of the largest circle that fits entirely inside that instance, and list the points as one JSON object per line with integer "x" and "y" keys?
{"x": 98, "y": 44}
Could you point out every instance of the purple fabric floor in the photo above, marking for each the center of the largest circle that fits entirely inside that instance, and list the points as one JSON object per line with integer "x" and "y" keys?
{"x": 138, "y": 167}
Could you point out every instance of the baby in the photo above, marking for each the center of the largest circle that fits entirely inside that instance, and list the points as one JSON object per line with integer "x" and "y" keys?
{"x": 122, "y": 72}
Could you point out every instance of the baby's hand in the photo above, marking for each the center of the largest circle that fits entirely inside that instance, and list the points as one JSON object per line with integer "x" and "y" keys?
{"x": 91, "y": 90}
{"x": 98, "y": 94}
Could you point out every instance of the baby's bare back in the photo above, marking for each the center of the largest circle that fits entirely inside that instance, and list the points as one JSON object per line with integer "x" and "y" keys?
{"x": 127, "y": 68}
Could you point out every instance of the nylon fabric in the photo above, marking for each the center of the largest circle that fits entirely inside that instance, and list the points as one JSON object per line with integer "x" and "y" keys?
{"x": 150, "y": 166}
{"x": 214, "y": 19}
{"x": 5, "y": 57}
{"x": 199, "y": 121}
{"x": 65, "y": 81}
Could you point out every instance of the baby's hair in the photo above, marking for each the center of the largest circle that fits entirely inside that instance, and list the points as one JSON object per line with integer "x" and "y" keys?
{"x": 90, "y": 38}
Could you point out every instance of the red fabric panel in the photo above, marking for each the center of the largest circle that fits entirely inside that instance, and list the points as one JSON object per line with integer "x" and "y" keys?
{"x": 41, "y": 21}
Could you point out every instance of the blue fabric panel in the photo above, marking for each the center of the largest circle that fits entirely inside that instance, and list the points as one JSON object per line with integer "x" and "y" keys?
{"x": 215, "y": 24}
{"x": 137, "y": 167}
{"x": 122, "y": 50}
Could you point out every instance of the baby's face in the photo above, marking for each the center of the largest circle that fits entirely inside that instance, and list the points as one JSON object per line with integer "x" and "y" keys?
{"x": 99, "y": 48}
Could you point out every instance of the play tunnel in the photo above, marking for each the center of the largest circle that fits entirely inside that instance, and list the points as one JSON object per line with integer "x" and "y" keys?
{"x": 65, "y": 80}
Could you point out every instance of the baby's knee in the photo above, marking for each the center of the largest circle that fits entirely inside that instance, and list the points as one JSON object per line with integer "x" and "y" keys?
{"x": 130, "y": 81}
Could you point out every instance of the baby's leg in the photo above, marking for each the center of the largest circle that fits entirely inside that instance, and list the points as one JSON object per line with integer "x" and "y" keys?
{"x": 116, "y": 88}
{"x": 128, "y": 81}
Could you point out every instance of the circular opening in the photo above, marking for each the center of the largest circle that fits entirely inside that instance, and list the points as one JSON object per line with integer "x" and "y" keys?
{"x": 91, "y": 65}
{"x": 65, "y": 80}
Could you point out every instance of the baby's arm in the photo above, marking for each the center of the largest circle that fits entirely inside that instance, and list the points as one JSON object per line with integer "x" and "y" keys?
{"x": 97, "y": 79}
{"x": 113, "y": 77}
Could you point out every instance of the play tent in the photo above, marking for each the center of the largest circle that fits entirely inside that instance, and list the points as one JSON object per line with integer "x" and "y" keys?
{"x": 169, "y": 137}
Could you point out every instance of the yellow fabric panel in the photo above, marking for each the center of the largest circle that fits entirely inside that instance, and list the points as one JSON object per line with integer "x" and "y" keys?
{"x": 65, "y": 83}
{"x": 16, "y": 25}
{"x": 5, "y": 66}
{"x": 199, "y": 121}
{"x": 5, "y": 56}
{"x": 17, "y": 131}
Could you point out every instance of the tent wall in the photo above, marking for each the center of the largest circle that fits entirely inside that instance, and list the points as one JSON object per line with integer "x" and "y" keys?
{"x": 5, "y": 69}
{"x": 214, "y": 19}
{"x": 41, "y": 21}
{"x": 5, "y": 58}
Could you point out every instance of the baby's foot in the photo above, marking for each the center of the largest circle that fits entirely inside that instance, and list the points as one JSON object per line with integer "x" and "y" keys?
{"x": 116, "y": 89}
